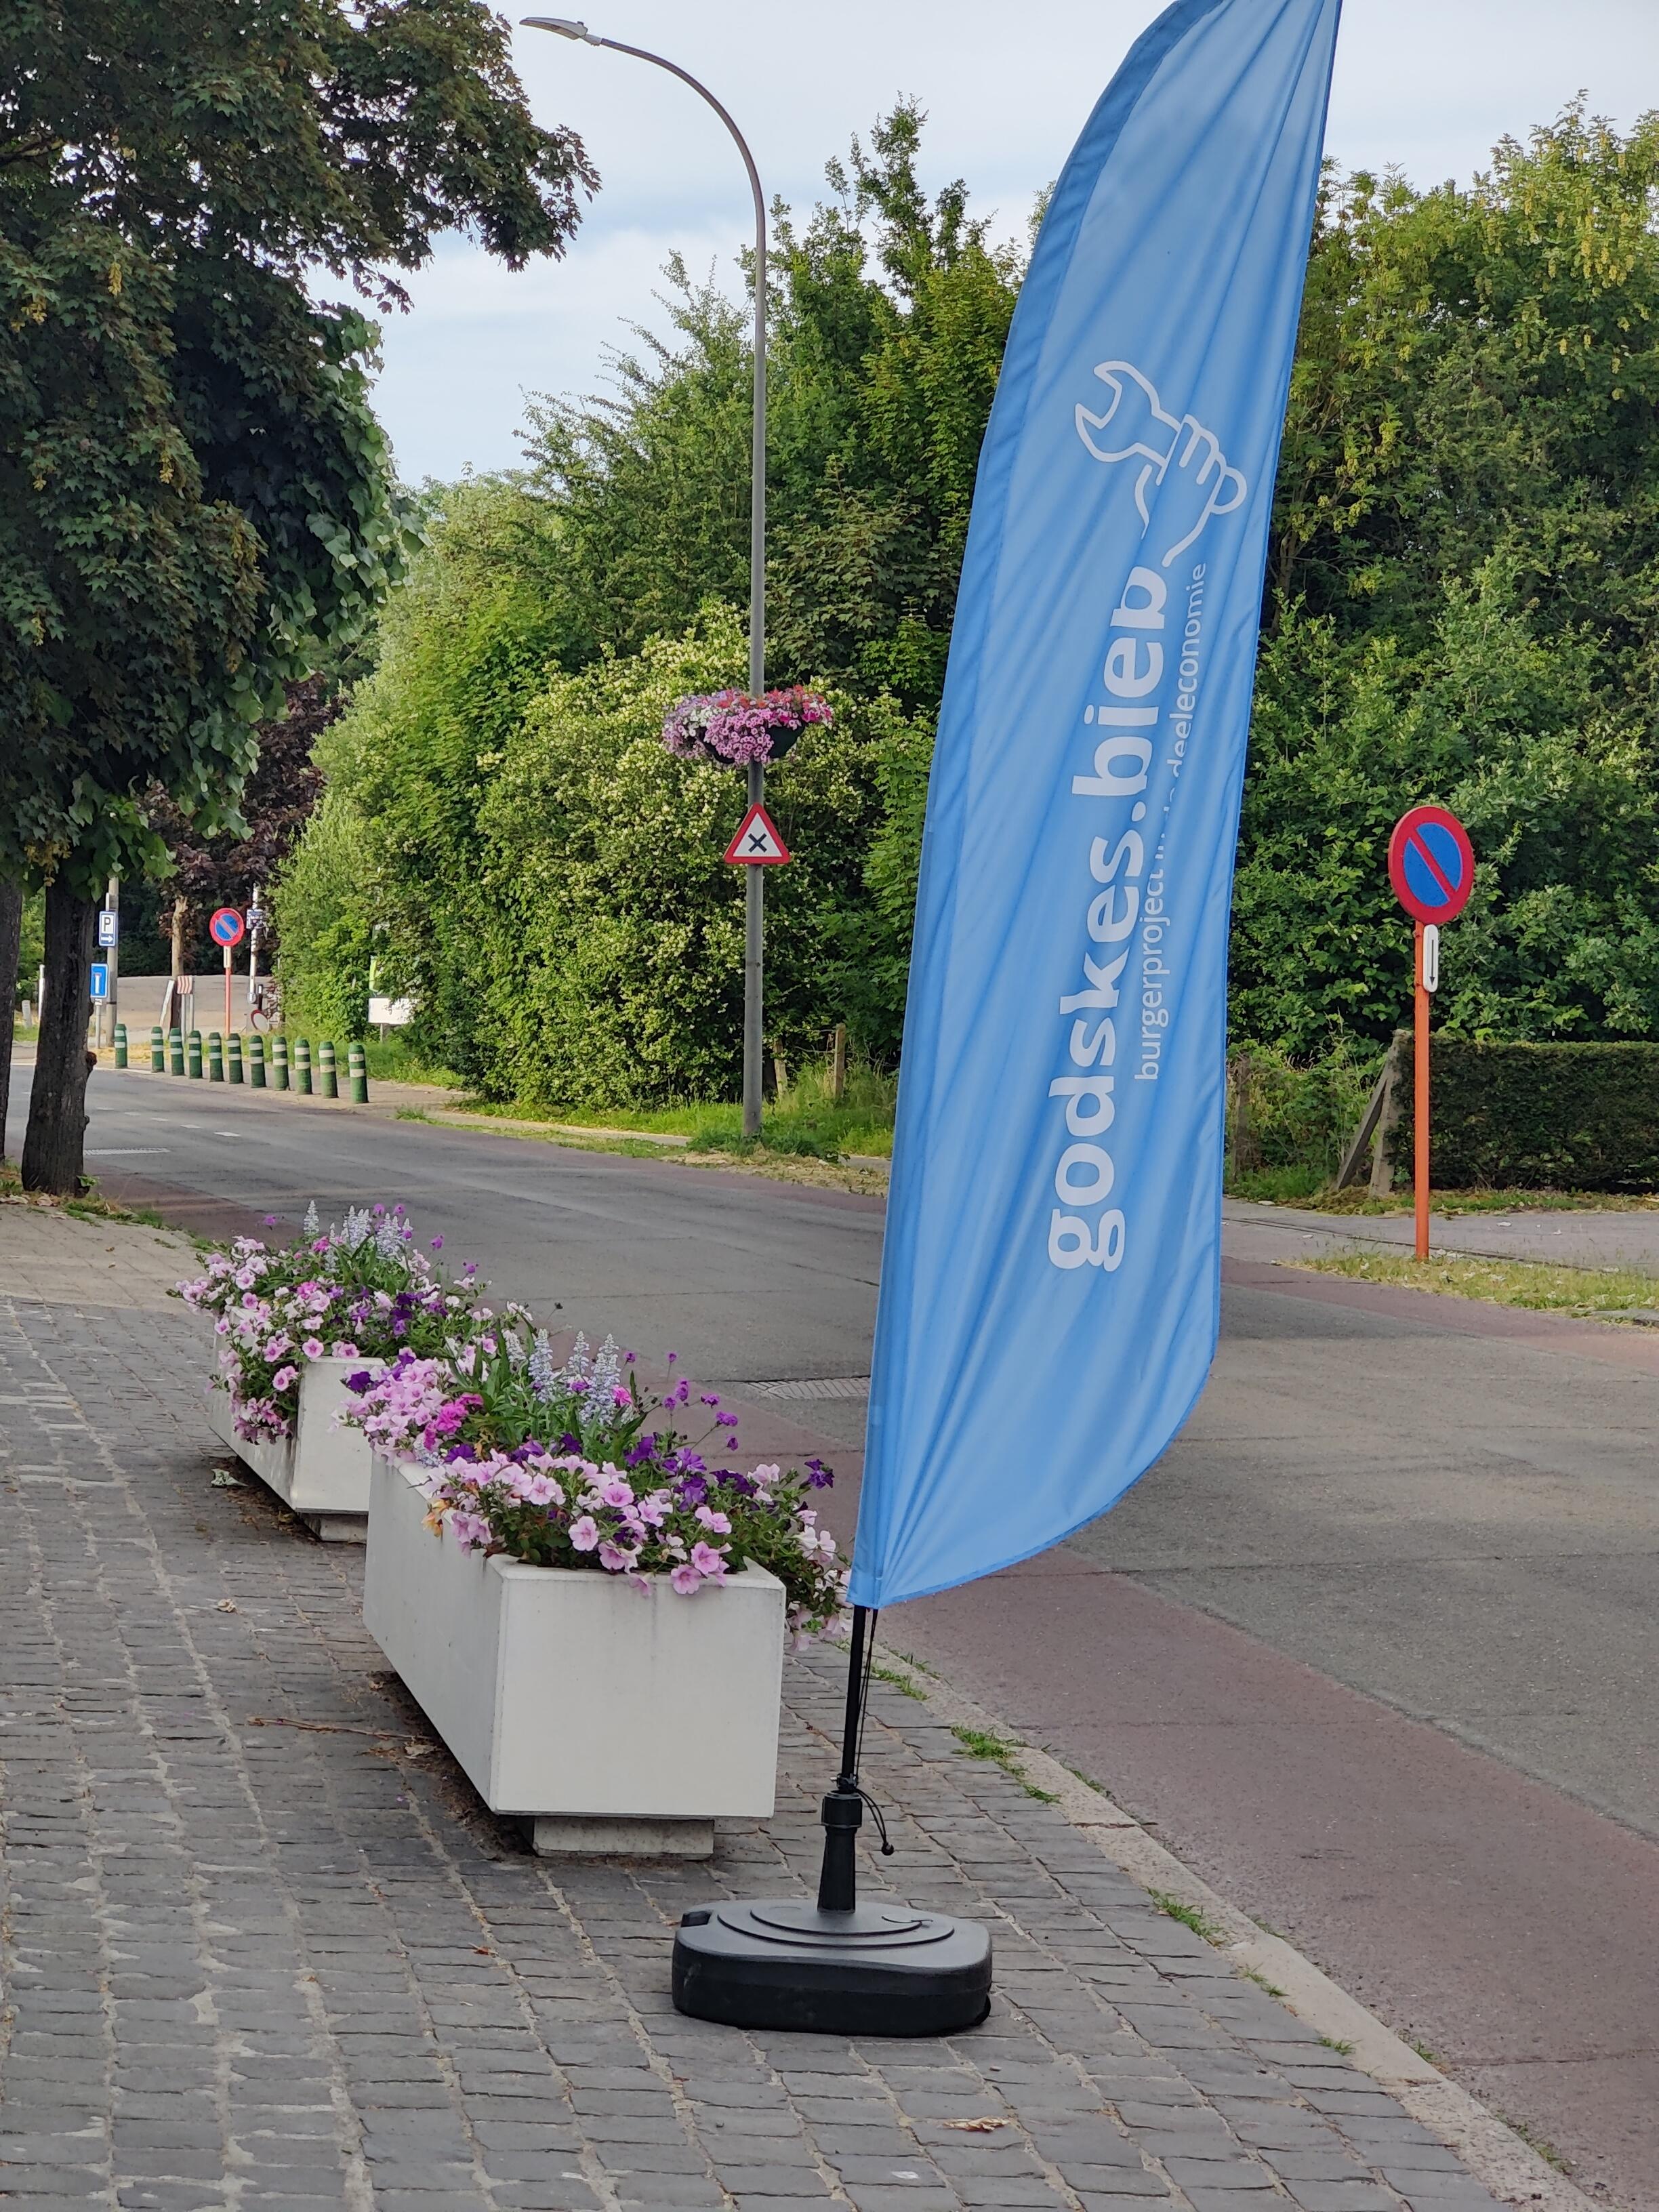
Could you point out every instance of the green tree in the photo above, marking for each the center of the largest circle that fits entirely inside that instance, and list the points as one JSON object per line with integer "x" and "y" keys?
{"x": 1554, "y": 778}
{"x": 196, "y": 503}
{"x": 1464, "y": 602}
{"x": 890, "y": 317}
{"x": 537, "y": 872}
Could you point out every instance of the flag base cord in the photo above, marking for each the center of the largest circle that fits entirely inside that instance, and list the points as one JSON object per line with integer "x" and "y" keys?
{"x": 835, "y": 1967}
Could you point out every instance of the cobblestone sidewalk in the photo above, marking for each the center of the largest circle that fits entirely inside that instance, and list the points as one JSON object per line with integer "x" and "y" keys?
{"x": 262, "y": 1947}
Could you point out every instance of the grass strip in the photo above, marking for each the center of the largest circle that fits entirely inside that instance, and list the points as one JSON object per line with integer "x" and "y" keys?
{"x": 805, "y": 1120}
{"x": 1189, "y": 1916}
{"x": 1537, "y": 1284}
{"x": 864, "y": 1180}
{"x": 1001, "y": 1751}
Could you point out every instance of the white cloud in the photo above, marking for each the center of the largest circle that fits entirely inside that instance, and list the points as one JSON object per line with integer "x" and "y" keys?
{"x": 1428, "y": 84}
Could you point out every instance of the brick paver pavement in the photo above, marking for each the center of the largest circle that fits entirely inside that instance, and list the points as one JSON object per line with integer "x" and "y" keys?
{"x": 261, "y": 1947}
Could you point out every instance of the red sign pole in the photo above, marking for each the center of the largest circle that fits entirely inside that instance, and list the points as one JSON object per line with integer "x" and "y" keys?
{"x": 1419, "y": 1106}
{"x": 1419, "y": 964}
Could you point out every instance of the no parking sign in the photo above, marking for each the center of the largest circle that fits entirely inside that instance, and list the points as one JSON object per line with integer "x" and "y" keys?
{"x": 1432, "y": 864}
{"x": 1431, "y": 868}
{"x": 226, "y": 927}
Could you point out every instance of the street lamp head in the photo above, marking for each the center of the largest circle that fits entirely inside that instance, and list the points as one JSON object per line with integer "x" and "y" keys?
{"x": 565, "y": 26}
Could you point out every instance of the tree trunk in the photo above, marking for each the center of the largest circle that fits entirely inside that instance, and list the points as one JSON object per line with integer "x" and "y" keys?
{"x": 180, "y": 915}
{"x": 57, "y": 1107}
{"x": 11, "y": 939}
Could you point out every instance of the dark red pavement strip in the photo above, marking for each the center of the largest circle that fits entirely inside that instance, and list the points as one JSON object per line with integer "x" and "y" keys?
{"x": 1592, "y": 1340}
{"x": 1481, "y": 1912}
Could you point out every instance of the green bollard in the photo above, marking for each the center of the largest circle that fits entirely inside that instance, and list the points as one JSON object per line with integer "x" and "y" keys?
{"x": 233, "y": 1057}
{"x": 302, "y": 1066}
{"x": 193, "y": 1048}
{"x": 176, "y": 1052}
{"x": 216, "y": 1057}
{"x": 256, "y": 1063}
{"x": 328, "y": 1084}
{"x": 357, "y": 1070}
{"x": 158, "y": 1055}
{"x": 279, "y": 1062}
{"x": 120, "y": 1045}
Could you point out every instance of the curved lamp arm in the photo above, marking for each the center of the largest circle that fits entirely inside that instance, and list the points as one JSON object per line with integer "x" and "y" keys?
{"x": 565, "y": 27}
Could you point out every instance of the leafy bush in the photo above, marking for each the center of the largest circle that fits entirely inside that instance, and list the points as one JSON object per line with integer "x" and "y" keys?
{"x": 616, "y": 925}
{"x": 1536, "y": 1116}
{"x": 323, "y": 920}
{"x": 1289, "y": 1118}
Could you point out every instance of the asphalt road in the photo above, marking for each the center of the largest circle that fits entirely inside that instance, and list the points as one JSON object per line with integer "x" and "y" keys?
{"x": 1371, "y": 1647}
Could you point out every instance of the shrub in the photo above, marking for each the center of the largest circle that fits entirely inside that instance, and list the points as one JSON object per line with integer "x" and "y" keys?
{"x": 1536, "y": 1116}
{"x": 1288, "y": 1113}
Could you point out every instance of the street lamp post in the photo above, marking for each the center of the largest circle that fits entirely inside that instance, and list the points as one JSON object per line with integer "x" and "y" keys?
{"x": 755, "y": 879}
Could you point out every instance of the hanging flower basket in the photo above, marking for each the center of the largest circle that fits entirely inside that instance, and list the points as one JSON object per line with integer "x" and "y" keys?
{"x": 730, "y": 729}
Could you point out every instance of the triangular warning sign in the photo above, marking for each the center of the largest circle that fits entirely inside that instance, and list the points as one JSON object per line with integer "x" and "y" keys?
{"x": 757, "y": 839}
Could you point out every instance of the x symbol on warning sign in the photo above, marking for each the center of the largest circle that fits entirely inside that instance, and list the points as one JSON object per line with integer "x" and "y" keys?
{"x": 757, "y": 842}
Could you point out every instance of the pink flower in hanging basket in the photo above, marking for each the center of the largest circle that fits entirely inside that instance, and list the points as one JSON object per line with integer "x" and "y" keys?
{"x": 729, "y": 729}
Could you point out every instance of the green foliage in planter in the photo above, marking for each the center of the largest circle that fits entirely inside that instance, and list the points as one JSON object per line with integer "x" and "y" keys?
{"x": 1536, "y": 1116}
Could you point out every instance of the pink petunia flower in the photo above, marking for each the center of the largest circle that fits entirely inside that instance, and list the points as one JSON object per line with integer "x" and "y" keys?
{"x": 709, "y": 1562}
{"x": 584, "y": 1534}
{"x": 283, "y": 1377}
{"x": 686, "y": 1580}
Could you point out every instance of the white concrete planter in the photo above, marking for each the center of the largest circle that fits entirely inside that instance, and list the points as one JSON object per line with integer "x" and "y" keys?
{"x": 617, "y": 1720}
{"x": 321, "y": 1471}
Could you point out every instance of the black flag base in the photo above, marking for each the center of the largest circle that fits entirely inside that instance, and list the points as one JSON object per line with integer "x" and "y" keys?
{"x": 835, "y": 1967}
{"x": 878, "y": 1970}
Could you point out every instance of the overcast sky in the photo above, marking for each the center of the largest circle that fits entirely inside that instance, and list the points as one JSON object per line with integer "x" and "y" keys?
{"x": 1427, "y": 84}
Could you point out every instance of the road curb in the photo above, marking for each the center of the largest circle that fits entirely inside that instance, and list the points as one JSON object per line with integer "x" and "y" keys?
{"x": 1491, "y": 2150}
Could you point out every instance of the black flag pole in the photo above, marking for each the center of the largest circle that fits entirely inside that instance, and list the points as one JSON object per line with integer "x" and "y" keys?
{"x": 835, "y": 1967}
{"x": 843, "y": 1811}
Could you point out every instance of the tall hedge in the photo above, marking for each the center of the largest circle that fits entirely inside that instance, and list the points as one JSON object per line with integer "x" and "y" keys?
{"x": 615, "y": 926}
{"x": 546, "y": 882}
{"x": 1536, "y": 1116}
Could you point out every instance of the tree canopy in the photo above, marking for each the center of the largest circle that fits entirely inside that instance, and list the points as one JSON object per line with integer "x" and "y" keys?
{"x": 196, "y": 501}
{"x": 1464, "y": 601}
{"x": 197, "y": 504}
{"x": 1461, "y": 605}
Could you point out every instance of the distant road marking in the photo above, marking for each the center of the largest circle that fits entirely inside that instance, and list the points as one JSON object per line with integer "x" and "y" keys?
{"x": 121, "y": 1151}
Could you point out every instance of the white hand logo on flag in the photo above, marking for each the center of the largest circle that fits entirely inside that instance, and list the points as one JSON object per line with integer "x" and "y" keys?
{"x": 1179, "y": 458}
